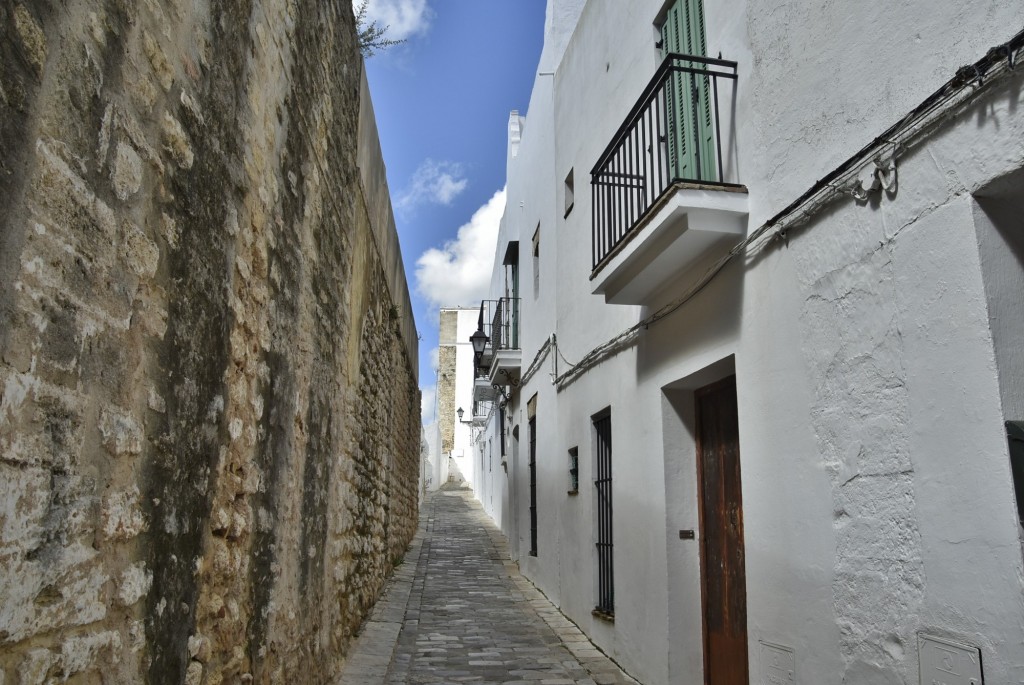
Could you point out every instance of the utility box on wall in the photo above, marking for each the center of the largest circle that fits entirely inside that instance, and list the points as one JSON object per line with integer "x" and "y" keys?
{"x": 778, "y": 664}
{"x": 944, "y": 662}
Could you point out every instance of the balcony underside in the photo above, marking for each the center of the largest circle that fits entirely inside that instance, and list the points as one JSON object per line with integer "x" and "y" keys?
{"x": 483, "y": 390}
{"x": 689, "y": 223}
{"x": 506, "y": 367}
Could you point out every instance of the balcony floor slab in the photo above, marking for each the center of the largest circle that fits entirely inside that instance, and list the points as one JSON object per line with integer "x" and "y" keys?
{"x": 689, "y": 223}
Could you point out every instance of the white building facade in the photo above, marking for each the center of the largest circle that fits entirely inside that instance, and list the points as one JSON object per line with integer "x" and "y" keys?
{"x": 755, "y": 358}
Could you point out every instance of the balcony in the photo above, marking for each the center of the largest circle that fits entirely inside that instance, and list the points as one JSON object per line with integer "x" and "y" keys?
{"x": 664, "y": 195}
{"x": 501, "y": 361}
{"x": 483, "y": 389}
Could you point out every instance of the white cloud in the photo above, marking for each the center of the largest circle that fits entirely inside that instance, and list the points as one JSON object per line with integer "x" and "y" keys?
{"x": 428, "y": 397}
{"x": 403, "y": 18}
{"x": 434, "y": 359}
{"x": 459, "y": 273}
{"x": 435, "y": 182}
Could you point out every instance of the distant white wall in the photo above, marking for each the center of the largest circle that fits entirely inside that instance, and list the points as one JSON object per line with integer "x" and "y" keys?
{"x": 436, "y": 467}
{"x": 463, "y": 455}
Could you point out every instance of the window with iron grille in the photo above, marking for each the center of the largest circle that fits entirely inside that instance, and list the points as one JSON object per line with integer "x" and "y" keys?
{"x": 574, "y": 470}
{"x": 501, "y": 431}
{"x": 533, "y": 486}
{"x": 603, "y": 491}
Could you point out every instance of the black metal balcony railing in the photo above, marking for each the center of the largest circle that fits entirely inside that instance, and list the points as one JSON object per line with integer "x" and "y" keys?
{"x": 499, "y": 319}
{"x": 672, "y": 135}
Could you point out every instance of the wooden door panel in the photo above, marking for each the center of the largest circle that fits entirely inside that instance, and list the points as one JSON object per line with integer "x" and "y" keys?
{"x": 723, "y": 574}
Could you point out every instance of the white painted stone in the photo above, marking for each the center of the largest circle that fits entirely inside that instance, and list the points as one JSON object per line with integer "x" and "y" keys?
{"x": 199, "y": 648}
{"x": 121, "y": 434}
{"x": 134, "y": 584}
{"x": 121, "y": 515}
{"x": 80, "y": 654}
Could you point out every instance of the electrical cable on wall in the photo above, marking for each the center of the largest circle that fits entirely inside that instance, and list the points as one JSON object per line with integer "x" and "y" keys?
{"x": 537, "y": 359}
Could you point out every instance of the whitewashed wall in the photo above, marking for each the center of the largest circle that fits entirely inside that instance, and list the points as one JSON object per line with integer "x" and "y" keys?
{"x": 868, "y": 351}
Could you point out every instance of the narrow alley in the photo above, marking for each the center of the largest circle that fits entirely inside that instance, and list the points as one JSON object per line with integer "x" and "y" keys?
{"x": 457, "y": 610}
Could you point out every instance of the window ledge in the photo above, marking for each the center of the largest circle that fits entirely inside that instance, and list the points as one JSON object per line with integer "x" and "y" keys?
{"x": 603, "y": 615}
{"x": 573, "y": 492}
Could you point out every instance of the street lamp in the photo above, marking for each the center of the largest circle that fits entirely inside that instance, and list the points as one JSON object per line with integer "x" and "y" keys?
{"x": 479, "y": 340}
{"x": 460, "y": 412}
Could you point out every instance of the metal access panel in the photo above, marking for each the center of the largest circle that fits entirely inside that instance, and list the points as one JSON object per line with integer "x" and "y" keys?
{"x": 778, "y": 664}
{"x": 944, "y": 662}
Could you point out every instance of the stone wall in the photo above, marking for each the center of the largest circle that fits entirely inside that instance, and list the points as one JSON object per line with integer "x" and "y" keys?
{"x": 209, "y": 410}
{"x": 448, "y": 325}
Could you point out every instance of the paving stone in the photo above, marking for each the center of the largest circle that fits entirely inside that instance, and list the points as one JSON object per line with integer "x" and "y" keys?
{"x": 469, "y": 615}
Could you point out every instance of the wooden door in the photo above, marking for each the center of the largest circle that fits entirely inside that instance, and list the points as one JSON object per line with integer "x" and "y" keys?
{"x": 721, "y": 506}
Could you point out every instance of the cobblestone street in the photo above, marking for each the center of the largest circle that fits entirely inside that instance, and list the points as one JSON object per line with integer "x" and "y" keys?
{"x": 458, "y": 611}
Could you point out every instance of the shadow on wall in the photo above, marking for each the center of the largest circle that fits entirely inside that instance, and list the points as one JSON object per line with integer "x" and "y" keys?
{"x": 454, "y": 474}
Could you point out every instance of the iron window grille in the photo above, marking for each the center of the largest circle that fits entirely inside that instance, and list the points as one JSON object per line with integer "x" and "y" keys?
{"x": 574, "y": 470}
{"x": 533, "y": 487}
{"x": 603, "y": 486}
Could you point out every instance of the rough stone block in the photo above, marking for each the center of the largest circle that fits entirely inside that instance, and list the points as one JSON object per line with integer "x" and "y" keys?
{"x": 158, "y": 60}
{"x": 61, "y": 589}
{"x": 176, "y": 142}
{"x": 120, "y": 432}
{"x": 194, "y": 674}
{"x": 126, "y": 175}
{"x": 31, "y": 36}
{"x": 141, "y": 253}
{"x": 24, "y": 493}
{"x": 35, "y": 667}
{"x": 82, "y": 219}
{"x": 199, "y": 648}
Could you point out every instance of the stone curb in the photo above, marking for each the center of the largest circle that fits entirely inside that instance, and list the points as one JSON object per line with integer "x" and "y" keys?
{"x": 370, "y": 654}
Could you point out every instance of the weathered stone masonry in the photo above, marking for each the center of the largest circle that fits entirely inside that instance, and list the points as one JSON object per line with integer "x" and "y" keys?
{"x": 208, "y": 389}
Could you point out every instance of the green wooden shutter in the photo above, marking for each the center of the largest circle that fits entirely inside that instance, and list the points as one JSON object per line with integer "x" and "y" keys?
{"x": 680, "y": 157}
{"x": 691, "y": 135}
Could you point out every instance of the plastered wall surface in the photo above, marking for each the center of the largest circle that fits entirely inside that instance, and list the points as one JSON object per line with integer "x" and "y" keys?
{"x": 209, "y": 410}
{"x": 871, "y": 375}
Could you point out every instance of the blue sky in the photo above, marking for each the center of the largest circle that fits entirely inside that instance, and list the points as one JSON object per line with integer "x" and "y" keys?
{"x": 442, "y": 101}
